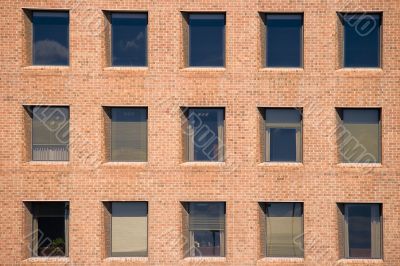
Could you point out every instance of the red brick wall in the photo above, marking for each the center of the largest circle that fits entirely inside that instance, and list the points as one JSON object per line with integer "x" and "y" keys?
{"x": 165, "y": 86}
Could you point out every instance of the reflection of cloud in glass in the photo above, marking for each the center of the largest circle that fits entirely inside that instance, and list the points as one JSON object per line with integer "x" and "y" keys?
{"x": 132, "y": 43}
{"x": 50, "y": 51}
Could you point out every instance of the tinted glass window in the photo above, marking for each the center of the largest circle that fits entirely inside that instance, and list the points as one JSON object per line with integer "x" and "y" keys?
{"x": 363, "y": 225}
{"x": 283, "y": 134}
{"x": 50, "y": 38}
{"x": 205, "y": 134}
{"x": 129, "y": 134}
{"x": 361, "y": 39}
{"x": 284, "y": 38}
{"x": 207, "y": 40}
{"x": 359, "y": 138}
{"x": 284, "y": 223}
{"x": 129, "y": 39}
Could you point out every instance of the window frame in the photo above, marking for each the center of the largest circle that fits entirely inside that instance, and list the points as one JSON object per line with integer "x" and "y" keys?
{"x": 265, "y": 61}
{"x": 110, "y": 14}
{"x": 32, "y": 11}
{"x": 267, "y": 135}
{"x": 189, "y": 42}
{"x": 342, "y": 31}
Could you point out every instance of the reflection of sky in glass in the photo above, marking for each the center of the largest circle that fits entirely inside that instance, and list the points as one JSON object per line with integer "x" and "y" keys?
{"x": 129, "y": 39}
{"x": 359, "y": 219}
{"x": 50, "y": 38}
{"x": 362, "y": 40}
{"x": 207, "y": 40}
{"x": 284, "y": 40}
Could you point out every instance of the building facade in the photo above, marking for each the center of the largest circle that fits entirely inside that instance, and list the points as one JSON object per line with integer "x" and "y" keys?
{"x": 80, "y": 180}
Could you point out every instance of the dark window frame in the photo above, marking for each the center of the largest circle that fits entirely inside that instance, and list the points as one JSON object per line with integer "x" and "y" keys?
{"x": 265, "y": 59}
{"x": 342, "y": 52}
{"x": 188, "y": 61}
{"x": 109, "y": 14}
{"x": 31, "y": 13}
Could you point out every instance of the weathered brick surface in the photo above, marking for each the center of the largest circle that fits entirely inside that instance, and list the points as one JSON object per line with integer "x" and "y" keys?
{"x": 165, "y": 86}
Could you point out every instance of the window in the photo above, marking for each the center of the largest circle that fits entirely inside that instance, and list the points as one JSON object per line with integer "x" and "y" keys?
{"x": 50, "y": 133}
{"x": 49, "y": 228}
{"x": 283, "y": 135}
{"x": 206, "y": 40}
{"x": 129, "y": 39}
{"x": 284, "y": 40}
{"x": 359, "y": 135}
{"x": 362, "y": 39}
{"x": 129, "y": 229}
{"x": 129, "y": 134}
{"x": 50, "y": 37}
{"x": 206, "y": 226}
{"x": 362, "y": 230}
{"x": 284, "y": 229}
{"x": 205, "y": 134}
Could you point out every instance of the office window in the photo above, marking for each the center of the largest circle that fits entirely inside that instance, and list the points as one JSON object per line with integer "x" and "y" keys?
{"x": 129, "y": 229}
{"x": 284, "y": 228}
{"x": 362, "y": 230}
{"x": 129, "y": 39}
{"x": 50, "y": 133}
{"x": 205, "y": 134}
{"x": 362, "y": 39}
{"x": 50, "y": 37}
{"x": 359, "y": 135}
{"x": 129, "y": 134}
{"x": 206, "y": 227}
{"x": 206, "y": 40}
{"x": 49, "y": 229}
{"x": 283, "y": 135}
{"x": 284, "y": 40}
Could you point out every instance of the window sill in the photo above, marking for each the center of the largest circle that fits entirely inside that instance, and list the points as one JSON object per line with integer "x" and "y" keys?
{"x": 48, "y": 162}
{"x": 282, "y": 69}
{"x": 291, "y": 164}
{"x": 205, "y": 259}
{"x": 360, "y": 165}
{"x": 47, "y": 260}
{"x": 360, "y": 261}
{"x": 44, "y": 67}
{"x": 125, "y": 164}
{"x": 367, "y": 71}
{"x": 203, "y": 69}
{"x": 126, "y": 259}
{"x": 281, "y": 260}
{"x": 189, "y": 164}
{"x": 127, "y": 68}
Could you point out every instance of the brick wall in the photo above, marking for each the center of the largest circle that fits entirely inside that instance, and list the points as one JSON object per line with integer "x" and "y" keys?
{"x": 164, "y": 87}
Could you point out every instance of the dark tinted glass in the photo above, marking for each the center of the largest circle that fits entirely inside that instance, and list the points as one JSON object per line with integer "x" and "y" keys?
{"x": 129, "y": 39}
{"x": 284, "y": 38}
{"x": 283, "y": 144}
{"x": 50, "y": 38}
{"x": 361, "y": 40}
{"x": 207, "y": 40}
{"x": 208, "y": 243}
{"x": 359, "y": 220}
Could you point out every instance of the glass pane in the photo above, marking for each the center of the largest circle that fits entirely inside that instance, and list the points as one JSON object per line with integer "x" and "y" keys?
{"x": 205, "y": 134}
{"x": 49, "y": 229}
{"x": 284, "y": 40}
{"x": 207, "y": 216}
{"x": 206, "y": 243}
{"x": 50, "y": 133}
{"x": 129, "y": 134}
{"x": 129, "y": 229}
{"x": 207, "y": 40}
{"x": 50, "y": 38}
{"x": 284, "y": 116}
{"x": 360, "y": 141}
{"x": 359, "y": 222}
{"x": 361, "y": 40}
{"x": 284, "y": 222}
{"x": 283, "y": 144}
{"x": 129, "y": 39}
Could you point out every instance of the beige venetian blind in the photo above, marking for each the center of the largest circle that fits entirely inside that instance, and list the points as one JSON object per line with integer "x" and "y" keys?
{"x": 129, "y": 229}
{"x": 284, "y": 223}
{"x": 129, "y": 134}
{"x": 361, "y": 141}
